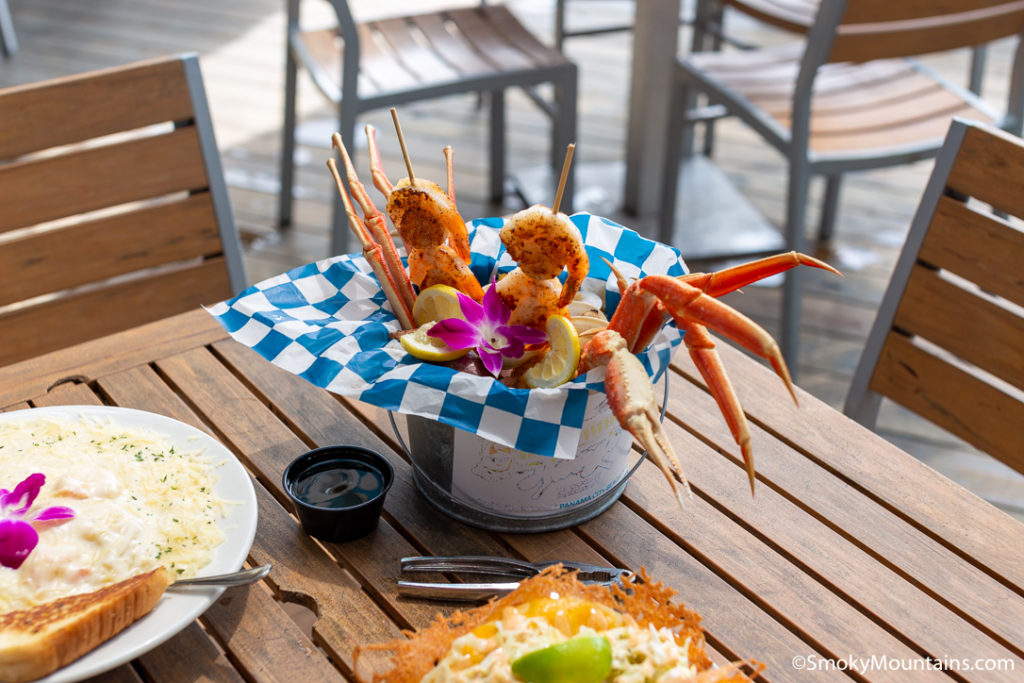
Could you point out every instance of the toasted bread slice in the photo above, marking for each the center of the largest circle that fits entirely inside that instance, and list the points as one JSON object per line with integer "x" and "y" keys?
{"x": 39, "y": 640}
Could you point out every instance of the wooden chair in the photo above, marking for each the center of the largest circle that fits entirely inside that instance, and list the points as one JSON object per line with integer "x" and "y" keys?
{"x": 849, "y": 98}
{"x": 8, "y": 39}
{"x": 379, "y": 64}
{"x": 794, "y": 16}
{"x": 103, "y": 229}
{"x": 948, "y": 341}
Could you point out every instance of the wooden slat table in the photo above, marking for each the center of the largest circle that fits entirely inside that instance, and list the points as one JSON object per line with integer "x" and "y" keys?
{"x": 853, "y": 560}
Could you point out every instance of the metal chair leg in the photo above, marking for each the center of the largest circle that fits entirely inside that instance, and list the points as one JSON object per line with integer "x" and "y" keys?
{"x": 829, "y": 208}
{"x": 792, "y": 290}
{"x": 497, "y": 152}
{"x": 341, "y": 235}
{"x": 286, "y": 197}
{"x": 564, "y": 132}
{"x": 8, "y": 39}
{"x": 977, "y": 73}
{"x": 678, "y": 146}
{"x": 559, "y": 24}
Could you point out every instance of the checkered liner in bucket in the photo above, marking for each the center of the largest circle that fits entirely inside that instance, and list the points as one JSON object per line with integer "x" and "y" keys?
{"x": 330, "y": 323}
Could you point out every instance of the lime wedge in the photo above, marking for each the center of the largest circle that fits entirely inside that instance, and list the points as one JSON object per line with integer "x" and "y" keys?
{"x": 587, "y": 659}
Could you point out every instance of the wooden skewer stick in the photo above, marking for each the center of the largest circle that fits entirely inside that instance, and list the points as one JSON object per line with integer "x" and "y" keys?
{"x": 401, "y": 141}
{"x": 565, "y": 175}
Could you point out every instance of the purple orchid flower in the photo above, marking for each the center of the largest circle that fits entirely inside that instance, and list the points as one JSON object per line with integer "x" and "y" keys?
{"x": 486, "y": 330}
{"x": 17, "y": 535}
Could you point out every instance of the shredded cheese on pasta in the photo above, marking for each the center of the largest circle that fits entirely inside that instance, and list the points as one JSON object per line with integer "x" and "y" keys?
{"x": 139, "y": 502}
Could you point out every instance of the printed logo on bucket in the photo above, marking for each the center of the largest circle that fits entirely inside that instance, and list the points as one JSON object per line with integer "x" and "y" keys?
{"x": 505, "y": 480}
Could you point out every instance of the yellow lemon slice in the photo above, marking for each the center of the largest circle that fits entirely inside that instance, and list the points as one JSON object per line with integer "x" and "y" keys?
{"x": 559, "y": 363}
{"x": 436, "y": 303}
{"x": 423, "y": 346}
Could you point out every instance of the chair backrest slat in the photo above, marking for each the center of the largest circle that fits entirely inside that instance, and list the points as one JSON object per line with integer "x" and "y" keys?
{"x": 984, "y": 170}
{"x": 951, "y": 398}
{"x": 872, "y": 11}
{"x": 86, "y": 180}
{"x": 947, "y": 342}
{"x": 795, "y": 16}
{"x": 978, "y": 247}
{"x": 880, "y": 29}
{"x": 113, "y": 207}
{"x": 964, "y": 322}
{"x": 37, "y": 263}
{"x": 75, "y": 109}
{"x": 110, "y": 308}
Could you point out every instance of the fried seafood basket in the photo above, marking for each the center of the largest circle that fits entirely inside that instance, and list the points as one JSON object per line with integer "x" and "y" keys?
{"x": 493, "y": 456}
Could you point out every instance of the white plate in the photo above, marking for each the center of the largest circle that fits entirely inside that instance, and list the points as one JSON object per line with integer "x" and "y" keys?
{"x": 176, "y": 609}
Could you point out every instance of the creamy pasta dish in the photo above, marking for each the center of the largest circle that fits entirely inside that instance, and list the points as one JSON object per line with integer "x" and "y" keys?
{"x": 139, "y": 502}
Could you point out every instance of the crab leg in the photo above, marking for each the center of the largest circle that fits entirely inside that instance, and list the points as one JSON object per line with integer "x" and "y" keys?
{"x": 373, "y": 254}
{"x": 725, "y": 281}
{"x": 687, "y": 303}
{"x": 380, "y": 179}
{"x": 730, "y": 279}
{"x": 630, "y": 394}
{"x": 702, "y": 352}
{"x": 632, "y": 401}
{"x": 377, "y": 229}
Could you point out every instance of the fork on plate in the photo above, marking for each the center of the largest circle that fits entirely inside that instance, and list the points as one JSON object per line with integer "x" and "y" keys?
{"x": 492, "y": 565}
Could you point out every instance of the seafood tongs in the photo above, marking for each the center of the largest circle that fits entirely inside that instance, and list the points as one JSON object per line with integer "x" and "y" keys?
{"x": 494, "y": 565}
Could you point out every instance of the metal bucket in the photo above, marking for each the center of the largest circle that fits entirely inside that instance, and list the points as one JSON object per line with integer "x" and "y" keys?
{"x": 499, "y": 488}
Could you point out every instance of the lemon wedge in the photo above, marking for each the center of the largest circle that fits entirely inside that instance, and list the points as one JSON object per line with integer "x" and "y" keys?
{"x": 559, "y": 363}
{"x": 436, "y": 303}
{"x": 423, "y": 346}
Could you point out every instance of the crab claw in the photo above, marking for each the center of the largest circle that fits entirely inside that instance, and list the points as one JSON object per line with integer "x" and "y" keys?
{"x": 730, "y": 279}
{"x": 632, "y": 401}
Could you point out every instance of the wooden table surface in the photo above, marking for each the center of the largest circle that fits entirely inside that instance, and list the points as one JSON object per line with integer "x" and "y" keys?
{"x": 852, "y": 561}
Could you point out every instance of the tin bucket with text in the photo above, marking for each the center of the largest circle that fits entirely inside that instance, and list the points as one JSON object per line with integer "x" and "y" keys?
{"x": 496, "y": 487}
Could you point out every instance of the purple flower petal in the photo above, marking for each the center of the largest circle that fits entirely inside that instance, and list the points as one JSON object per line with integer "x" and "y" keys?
{"x": 456, "y": 333}
{"x": 17, "y": 540}
{"x": 527, "y": 335}
{"x": 514, "y": 347}
{"x": 490, "y": 359}
{"x": 495, "y": 311}
{"x": 51, "y": 513}
{"x": 471, "y": 310}
{"x": 24, "y": 494}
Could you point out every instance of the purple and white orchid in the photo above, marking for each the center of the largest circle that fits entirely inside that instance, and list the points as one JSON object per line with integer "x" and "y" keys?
{"x": 486, "y": 329}
{"x": 17, "y": 535}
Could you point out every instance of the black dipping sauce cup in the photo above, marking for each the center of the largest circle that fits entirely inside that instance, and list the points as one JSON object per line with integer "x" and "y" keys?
{"x": 338, "y": 491}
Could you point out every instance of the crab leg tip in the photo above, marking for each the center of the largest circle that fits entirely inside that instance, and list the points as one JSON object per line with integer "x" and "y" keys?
{"x": 748, "y": 461}
{"x": 783, "y": 372}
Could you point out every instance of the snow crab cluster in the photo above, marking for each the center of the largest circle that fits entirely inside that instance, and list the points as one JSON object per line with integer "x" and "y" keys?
{"x": 545, "y": 243}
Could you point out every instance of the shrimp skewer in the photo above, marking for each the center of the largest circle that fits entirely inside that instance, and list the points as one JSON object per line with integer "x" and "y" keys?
{"x": 429, "y": 224}
{"x": 542, "y": 241}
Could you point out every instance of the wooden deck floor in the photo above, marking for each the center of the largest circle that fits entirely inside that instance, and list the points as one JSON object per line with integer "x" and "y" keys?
{"x": 241, "y": 43}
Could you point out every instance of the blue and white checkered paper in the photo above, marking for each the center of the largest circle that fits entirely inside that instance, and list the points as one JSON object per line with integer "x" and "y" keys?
{"x": 330, "y": 323}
